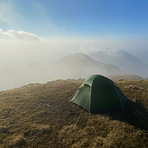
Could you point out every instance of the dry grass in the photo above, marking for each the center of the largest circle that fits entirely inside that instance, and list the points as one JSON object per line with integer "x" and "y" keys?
{"x": 40, "y": 115}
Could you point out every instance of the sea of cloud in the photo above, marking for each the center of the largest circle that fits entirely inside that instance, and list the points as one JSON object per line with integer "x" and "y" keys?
{"x": 25, "y": 51}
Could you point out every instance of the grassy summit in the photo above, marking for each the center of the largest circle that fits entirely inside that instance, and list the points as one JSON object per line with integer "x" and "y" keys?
{"x": 40, "y": 115}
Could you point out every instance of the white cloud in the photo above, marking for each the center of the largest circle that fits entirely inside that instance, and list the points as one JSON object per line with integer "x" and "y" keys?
{"x": 18, "y": 35}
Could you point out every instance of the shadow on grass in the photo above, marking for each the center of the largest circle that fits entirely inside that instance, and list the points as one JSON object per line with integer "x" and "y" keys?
{"x": 135, "y": 114}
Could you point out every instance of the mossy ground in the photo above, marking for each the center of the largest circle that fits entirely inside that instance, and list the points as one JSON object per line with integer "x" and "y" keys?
{"x": 40, "y": 115}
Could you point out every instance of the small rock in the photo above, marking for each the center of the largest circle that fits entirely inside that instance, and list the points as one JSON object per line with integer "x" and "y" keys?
{"x": 47, "y": 105}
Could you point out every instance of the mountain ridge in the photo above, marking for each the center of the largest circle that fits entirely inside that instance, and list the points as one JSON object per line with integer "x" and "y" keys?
{"x": 83, "y": 65}
{"x": 126, "y": 61}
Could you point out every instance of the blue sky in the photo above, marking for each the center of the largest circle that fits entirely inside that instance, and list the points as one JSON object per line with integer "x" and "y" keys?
{"x": 76, "y": 18}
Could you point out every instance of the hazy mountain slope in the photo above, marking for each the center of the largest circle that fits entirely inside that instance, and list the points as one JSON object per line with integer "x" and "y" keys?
{"x": 81, "y": 65}
{"x": 40, "y": 115}
{"x": 73, "y": 66}
{"x": 126, "y": 61}
{"x": 141, "y": 54}
{"x": 124, "y": 77}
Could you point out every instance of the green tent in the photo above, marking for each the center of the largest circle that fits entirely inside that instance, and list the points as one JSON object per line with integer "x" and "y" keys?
{"x": 98, "y": 94}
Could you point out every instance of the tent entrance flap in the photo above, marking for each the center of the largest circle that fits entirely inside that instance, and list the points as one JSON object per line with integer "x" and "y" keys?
{"x": 82, "y": 97}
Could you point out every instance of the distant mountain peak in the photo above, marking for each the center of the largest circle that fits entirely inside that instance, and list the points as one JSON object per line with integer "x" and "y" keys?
{"x": 78, "y": 57}
{"x": 126, "y": 61}
{"x": 82, "y": 65}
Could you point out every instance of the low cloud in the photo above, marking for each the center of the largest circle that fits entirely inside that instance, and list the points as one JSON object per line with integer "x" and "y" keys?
{"x": 26, "y": 58}
{"x": 18, "y": 35}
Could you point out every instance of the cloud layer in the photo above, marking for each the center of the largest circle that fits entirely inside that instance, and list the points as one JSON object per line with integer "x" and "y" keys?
{"x": 18, "y": 35}
{"x": 24, "y": 57}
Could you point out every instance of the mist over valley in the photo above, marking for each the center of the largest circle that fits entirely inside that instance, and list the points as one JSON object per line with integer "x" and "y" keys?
{"x": 19, "y": 69}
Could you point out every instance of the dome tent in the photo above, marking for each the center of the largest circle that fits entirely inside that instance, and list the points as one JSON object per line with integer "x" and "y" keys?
{"x": 98, "y": 94}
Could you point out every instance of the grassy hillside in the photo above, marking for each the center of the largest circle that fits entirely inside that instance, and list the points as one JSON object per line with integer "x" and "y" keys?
{"x": 40, "y": 115}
